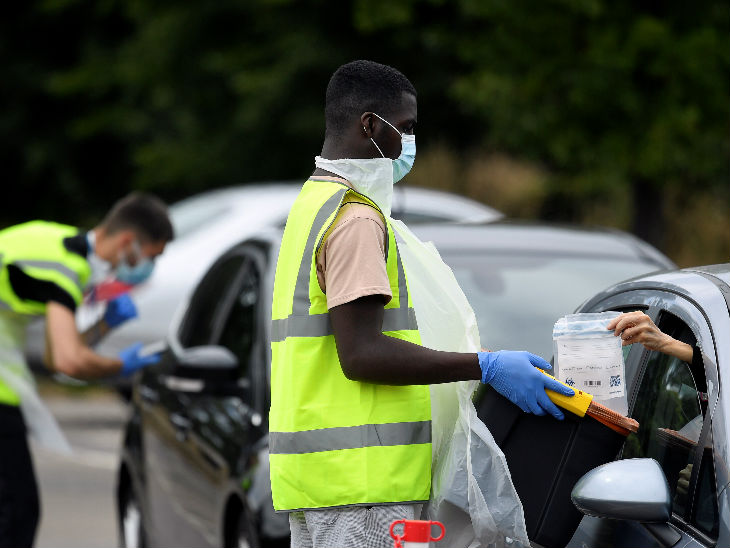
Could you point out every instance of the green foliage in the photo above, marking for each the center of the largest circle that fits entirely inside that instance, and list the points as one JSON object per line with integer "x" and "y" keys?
{"x": 179, "y": 97}
{"x": 604, "y": 87}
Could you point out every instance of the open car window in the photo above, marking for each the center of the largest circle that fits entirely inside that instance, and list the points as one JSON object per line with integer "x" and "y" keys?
{"x": 670, "y": 406}
{"x": 239, "y": 328}
{"x": 202, "y": 320}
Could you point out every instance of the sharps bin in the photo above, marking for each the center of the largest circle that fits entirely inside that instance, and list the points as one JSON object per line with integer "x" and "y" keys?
{"x": 546, "y": 457}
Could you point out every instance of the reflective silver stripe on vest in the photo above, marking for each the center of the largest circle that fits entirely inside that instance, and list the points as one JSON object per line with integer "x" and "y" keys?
{"x": 349, "y": 437}
{"x": 51, "y": 265}
{"x": 302, "y": 324}
{"x": 301, "y": 303}
{"x": 402, "y": 286}
{"x": 318, "y": 325}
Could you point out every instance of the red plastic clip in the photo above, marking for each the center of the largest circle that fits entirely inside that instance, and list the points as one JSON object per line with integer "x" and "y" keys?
{"x": 416, "y": 533}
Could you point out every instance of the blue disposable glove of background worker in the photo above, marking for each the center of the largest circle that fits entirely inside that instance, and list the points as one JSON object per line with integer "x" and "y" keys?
{"x": 515, "y": 376}
{"x": 132, "y": 361}
{"x": 120, "y": 310}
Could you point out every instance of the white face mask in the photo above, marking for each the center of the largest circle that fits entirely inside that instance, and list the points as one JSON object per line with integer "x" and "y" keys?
{"x": 372, "y": 177}
{"x": 375, "y": 177}
{"x": 100, "y": 268}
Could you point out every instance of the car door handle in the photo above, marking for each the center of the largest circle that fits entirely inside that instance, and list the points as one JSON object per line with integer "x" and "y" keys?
{"x": 182, "y": 426}
{"x": 148, "y": 395}
{"x": 180, "y": 421}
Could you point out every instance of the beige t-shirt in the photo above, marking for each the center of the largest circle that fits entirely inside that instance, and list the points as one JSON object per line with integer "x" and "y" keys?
{"x": 351, "y": 259}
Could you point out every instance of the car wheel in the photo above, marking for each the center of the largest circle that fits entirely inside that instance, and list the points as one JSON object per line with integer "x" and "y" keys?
{"x": 246, "y": 536}
{"x": 131, "y": 522}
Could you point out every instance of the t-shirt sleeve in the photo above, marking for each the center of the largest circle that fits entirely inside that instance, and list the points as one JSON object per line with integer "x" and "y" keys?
{"x": 28, "y": 288}
{"x": 351, "y": 263}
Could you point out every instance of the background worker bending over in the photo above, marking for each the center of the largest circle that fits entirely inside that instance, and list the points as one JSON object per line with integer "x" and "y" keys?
{"x": 45, "y": 270}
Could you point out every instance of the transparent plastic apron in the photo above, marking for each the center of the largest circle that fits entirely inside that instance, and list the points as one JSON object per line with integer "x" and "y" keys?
{"x": 472, "y": 492}
{"x": 41, "y": 424}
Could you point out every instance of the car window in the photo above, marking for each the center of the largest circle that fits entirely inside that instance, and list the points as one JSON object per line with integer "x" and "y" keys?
{"x": 706, "y": 516}
{"x": 517, "y": 299}
{"x": 670, "y": 407}
{"x": 239, "y": 330}
{"x": 200, "y": 322}
{"x": 189, "y": 215}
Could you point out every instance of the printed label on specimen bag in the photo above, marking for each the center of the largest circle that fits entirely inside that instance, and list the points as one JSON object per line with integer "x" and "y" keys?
{"x": 592, "y": 364}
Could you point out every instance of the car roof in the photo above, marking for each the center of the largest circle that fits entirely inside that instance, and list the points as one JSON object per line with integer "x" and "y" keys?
{"x": 439, "y": 202}
{"x": 520, "y": 237}
{"x": 682, "y": 278}
{"x": 430, "y": 202}
{"x": 707, "y": 286}
{"x": 721, "y": 271}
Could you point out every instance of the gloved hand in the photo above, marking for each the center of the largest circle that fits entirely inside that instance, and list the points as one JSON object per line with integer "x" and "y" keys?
{"x": 120, "y": 310}
{"x": 132, "y": 361}
{"x": 514, "y": 375}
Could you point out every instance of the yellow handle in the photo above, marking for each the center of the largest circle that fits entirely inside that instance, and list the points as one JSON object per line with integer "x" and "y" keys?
{"x": 577, "y": 404}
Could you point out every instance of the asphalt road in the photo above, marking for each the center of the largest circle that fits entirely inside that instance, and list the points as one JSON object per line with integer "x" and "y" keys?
{"x": 77, "y": 492}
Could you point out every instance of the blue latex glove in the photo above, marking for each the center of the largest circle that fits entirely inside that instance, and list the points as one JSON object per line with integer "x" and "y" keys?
{"x": 514, "y": 375}
{"x": 132, "y": 361}
{"x": 120, "y": 310}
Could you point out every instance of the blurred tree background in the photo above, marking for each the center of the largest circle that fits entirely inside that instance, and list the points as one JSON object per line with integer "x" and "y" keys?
{"x": 593, "y": 111}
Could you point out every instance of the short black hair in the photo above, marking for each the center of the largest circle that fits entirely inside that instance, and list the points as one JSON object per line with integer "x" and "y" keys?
{"x": 143, "y": 213}
{"x": 363, "y": 86}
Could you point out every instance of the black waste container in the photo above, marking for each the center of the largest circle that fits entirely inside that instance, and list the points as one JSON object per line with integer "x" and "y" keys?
{"x": 546, "y": 457}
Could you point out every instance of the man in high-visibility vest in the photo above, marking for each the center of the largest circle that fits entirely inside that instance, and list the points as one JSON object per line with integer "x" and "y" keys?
{"x": 350, "y": 431}
{"x": 45, "y": 270}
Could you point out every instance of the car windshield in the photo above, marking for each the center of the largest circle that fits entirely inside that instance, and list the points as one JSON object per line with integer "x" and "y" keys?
{"x": 189, "y": 215}
{"x": 518, "y": 299}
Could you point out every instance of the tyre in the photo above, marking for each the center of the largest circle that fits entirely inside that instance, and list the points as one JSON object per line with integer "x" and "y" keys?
{"x": 130, "y": 521}
{"x": 246, "y": 532}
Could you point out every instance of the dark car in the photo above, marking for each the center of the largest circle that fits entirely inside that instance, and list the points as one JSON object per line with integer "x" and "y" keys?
{"x": 194, "y": 467}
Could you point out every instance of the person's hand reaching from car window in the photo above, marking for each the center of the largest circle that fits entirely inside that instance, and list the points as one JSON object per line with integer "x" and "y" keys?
{"x": 637, "y": 327}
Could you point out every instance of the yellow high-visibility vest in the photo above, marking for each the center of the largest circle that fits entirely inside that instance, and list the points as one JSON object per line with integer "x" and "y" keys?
{"x": 38, "y": 250}
{"x": 333, "y": 441}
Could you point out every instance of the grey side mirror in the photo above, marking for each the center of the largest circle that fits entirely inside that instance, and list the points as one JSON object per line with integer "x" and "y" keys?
{"x": 631, "y": 489}
{"x": 207, "y": 363}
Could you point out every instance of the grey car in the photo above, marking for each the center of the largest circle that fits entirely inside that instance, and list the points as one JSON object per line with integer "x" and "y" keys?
{"x": 194, "y": 460}
{"x": 684, "y": 413}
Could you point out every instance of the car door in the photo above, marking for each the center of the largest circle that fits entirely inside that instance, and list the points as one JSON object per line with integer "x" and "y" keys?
{"x": 223, "y": 426}
{"x": 170, "y": 410}
{"x": 669, "y": 399}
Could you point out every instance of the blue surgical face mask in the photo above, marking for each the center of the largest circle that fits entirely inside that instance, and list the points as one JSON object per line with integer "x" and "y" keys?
{"x": 138, "y": 273}
{"x": 403, "y": 164}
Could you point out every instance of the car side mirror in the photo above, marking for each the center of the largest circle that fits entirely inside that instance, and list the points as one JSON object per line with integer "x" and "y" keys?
{"x": 630, "y": 489}
{"x": 207, "y": 363}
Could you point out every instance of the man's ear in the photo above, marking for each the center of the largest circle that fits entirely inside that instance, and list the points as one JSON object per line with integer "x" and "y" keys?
{"x": 366, "y": 120}
{"x": 124, "y": 238}
{"x": 128, "y": 236}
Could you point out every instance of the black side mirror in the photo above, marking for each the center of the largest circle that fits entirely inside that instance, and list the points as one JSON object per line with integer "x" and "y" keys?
{"x": 214, "y": 364}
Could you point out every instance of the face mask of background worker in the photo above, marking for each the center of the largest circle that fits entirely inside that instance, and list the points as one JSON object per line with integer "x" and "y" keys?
{"x": 125, "y": 271}
{"x": 138, "y": 272}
